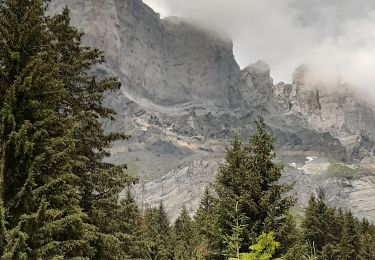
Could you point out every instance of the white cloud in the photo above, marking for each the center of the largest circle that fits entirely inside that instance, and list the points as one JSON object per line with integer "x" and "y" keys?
{"x": 333, "y": 37}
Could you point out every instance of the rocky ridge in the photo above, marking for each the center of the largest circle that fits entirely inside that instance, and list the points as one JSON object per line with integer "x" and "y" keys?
{"x": 183, "y": 95}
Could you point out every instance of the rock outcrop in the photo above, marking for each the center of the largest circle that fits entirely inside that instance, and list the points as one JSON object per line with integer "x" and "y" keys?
{"x": 183, "y": 95}
{"x": 335, "y": 109}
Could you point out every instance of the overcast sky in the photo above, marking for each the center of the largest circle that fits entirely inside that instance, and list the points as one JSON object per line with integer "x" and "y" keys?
{"x": 333, "y": 36}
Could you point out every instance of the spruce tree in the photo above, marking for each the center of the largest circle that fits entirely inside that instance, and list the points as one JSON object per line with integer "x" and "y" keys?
{"x": 367, "y": 240}
{"x": 39, "y": 185}
{"x": 322, "y": 227}
{"x": 101, "y": 182}
{"x": 129, "y": 226}
{"x": 250, "y": 177}
{"x": 350, "y": 239}
{"x": 58, "y": 193}
{"x": 205, "y": 220}
{"x": 185, "y": 242}
{"x": 291, "y": 234}
{"x": 156, "y": 234}
{"x": 40, "y": 191}
{"x": 233, "y": 241}
{"x": 165, "y": 230}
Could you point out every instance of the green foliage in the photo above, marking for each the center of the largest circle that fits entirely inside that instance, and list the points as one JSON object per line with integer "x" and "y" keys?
{"x": 156, "y": 234}
{"x": 250, "y": 177}
{"x": 312, "y": 255}
{"x": 264, "y": 249}
{"x": 335, "y": 234}
{"x": 206, "y": 225}
{"x": 342, "y": 170}
{"x": 185, "y": 244}
{"x": 234, "y": 240}
{"x": 60, "y": 197}
{"x": 291, "y": 234}
{"x": 2, "y": 228}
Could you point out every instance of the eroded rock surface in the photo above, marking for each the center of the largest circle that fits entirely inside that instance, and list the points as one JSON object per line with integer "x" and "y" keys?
{"x": 183, "y": 95}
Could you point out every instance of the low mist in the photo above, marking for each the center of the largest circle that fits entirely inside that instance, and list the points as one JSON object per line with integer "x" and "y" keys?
{"x": 335, "y": 38}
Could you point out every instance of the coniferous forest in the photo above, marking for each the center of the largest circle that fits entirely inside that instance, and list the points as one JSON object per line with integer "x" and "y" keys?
{"x": 59, "y": 199}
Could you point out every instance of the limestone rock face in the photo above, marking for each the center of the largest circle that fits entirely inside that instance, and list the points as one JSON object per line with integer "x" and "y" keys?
{"x": 182, "y": 186}
{"x": 183, "y": 95}
{"x": 169, "y": 61}
{"x": 257, "y": 84}
{"x": 333, "y": 109}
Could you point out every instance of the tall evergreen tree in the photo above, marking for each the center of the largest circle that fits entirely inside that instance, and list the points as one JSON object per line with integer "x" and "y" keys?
{"x": 205, "y": 220}
{"x": 39, "y": 185}
{"x": 58, "y": 192}
{"x": 350, "y": 239}
{"x": 129, "y": 226}
{"x": 291, "y": 234}
{"x": 101, "y": 182}
{"x": 321, "y": 227}
{"x": 185, "y": 239}
{"x": 367, "y": 240}
{"x": 250, "y": 177}
{"x": 234, "y": 240}
{"x": 156, "y": 234}
{"x": 165, "y": 230}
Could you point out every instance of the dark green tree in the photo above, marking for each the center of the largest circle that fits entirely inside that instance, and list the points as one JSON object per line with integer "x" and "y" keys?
{"x": 233, "y": 241}
{"x": 39, "y": 184}
{"x": 367, "y": 240}
{"x": 250, "y": 177}
{"x": 350, "y": 238}
{"x": 185, "y": 239}
{"x": 291, "y": 234}
{"x": 129, "y": 225}
{"x": 322, "y": 227}
{"x": 165, "y": 231}
{"x": 101, "y": 182}
{"x": 156, "y": 234}
{"x": 205, "y": 220}
{"x": 58, "y": 193}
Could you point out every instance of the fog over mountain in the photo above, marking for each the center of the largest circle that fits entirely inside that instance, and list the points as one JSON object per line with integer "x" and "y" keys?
{"x": 336, "y": 38}
{"x": 183, "y": 93}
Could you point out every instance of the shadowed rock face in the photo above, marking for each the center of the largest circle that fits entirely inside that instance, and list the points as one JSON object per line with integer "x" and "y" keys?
{"x": 184, "y": 94}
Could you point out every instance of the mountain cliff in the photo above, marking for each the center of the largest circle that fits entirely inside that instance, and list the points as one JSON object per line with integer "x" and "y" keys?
{"x": 184, "y": 94}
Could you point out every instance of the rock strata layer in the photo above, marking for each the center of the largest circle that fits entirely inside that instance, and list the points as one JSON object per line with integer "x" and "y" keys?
{"x": 183, "y": 95}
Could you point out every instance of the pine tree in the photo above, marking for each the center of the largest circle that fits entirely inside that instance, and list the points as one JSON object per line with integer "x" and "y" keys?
{"x": 39, "y": 186}
{"x": 367, "y": 240}
{"x": 58, "y": 192}
{"x": 165, "y": 231}
{"x": 129, "y": 225}
{"x": 21, "y": 37}
{"x": 291, "y": 234}
{"x": 350, "y": 239}
{"x": 264, "y": 249}
{"x": 156, "y": 234}
{"x": 150, "y": 234}
{"x": 40, "y": 192}
{"x": 101, "y": 182}
{"x": 205, "y": 220}
{"x": 233, "y": 241}
{"x": 185, "y": 242}
{"x": 322, "y": 227}
{"x": 250, "y": 177}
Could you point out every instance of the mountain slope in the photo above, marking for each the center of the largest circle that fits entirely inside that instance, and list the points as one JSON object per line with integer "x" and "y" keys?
{"x": 184, "y": 94}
